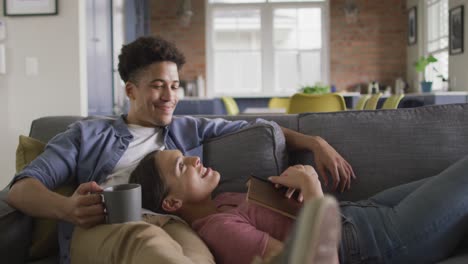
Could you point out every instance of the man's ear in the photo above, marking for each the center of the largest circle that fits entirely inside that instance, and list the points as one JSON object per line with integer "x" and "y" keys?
{"x": 171, "y": 204}
{"x": 130, "y": 90}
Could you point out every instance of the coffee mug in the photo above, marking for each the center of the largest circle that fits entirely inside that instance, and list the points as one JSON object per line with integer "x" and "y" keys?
{"x": 123, "y": 203}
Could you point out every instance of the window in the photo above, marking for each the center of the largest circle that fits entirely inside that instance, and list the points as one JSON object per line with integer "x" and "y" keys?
{"x": 263, "y": 47}
{"x": 437, "y": 41}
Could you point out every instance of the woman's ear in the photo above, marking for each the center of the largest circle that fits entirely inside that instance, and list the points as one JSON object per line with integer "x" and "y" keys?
{"x": 171, "y": 204}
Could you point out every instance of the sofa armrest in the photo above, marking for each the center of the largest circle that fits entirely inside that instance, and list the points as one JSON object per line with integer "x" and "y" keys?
{"x": 15, "y": 230}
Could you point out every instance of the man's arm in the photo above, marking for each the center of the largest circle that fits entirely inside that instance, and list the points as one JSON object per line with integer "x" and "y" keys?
{"x": 84, "y": 208}
{"x": 326, "y": 158}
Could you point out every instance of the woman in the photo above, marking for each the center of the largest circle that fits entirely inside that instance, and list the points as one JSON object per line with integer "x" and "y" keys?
{"x": 419, "y": 222}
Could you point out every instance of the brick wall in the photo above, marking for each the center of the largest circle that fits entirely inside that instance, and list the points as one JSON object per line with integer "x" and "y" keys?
{"x": 190, "y": 40}
{"x": 372, "y": 48}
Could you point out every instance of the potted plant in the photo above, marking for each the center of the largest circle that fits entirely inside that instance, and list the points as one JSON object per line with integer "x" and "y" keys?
{"x": 421, "y": 64}
{"x": 316, "y": 89}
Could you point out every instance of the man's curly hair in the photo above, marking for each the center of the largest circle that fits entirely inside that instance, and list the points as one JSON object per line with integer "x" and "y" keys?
{"x": 144, "y": 51}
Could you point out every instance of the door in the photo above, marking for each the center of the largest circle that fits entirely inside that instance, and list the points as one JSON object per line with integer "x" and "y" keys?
{"x": 99, "y": 56}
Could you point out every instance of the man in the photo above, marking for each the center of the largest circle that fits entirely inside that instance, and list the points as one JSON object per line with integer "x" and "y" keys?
{"x": 99, "y": 153}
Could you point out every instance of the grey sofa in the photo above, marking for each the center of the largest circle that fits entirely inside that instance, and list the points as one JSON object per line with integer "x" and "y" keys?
{"x": 385, "y": 147}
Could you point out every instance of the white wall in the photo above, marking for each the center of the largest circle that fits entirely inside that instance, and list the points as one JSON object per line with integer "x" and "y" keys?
{"x": 458, "y": 64}
{"x": 56, "y": 90}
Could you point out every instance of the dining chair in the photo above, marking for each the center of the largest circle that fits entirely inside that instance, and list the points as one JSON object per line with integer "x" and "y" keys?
{"x": 230, "y": 105}
{"x": 362, "y": 102}
{"x": 301, "y": 103}
{"x": 392, "y": 102}
{"x": 277, "y": 102}
{"x": 372, "y": 102}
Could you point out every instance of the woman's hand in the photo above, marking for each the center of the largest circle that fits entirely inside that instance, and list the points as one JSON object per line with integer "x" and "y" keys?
{"x": 299, "y": 177}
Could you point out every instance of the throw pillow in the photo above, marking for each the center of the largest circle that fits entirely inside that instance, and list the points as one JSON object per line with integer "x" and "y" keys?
{"x": 44, "y": 241}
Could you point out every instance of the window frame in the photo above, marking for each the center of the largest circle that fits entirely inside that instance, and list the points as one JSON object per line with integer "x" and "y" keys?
{"x": 267, "y": 49}
{"x": 426, "y": 41}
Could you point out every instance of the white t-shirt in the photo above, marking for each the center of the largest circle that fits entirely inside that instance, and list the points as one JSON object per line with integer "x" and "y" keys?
{"x": 145, "y": 140}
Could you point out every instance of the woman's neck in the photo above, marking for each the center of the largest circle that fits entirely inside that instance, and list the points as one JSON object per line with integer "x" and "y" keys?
{"x": 195, "y": 211}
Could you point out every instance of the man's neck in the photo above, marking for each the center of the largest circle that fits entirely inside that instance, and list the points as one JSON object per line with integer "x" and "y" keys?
{"x": 131, "y": 120}
{"x": 192, "y": 212}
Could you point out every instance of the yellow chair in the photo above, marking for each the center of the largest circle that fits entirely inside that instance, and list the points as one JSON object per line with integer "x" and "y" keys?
{"x": 392, "y": 101}
{"x": 372, "y": 102}
{"x": 277, "y": 102}
{"x": 362, "y": 102}
{"x": 301, "y": 103}
{"x": 231, "y": 105}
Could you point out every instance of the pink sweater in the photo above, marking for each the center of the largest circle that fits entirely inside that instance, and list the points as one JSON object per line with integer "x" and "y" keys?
{"x": 241, "y": 231}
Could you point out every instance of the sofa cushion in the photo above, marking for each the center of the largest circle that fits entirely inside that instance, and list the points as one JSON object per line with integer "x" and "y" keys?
{"x": 391, "y": 147}
{"x": 258, "y": 149}
{"x": 27, "y": 150}
{"x": 44, "y": 236}
{"x": 45, "y": 128}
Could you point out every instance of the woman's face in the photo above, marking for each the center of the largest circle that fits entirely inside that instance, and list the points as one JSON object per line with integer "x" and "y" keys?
{"x": 185, "y": 176}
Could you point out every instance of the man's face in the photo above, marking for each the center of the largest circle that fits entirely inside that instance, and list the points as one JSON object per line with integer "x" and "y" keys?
{"x": 153, "y": 97}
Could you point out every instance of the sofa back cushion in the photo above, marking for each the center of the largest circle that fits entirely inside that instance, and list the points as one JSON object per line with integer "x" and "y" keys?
{"x": 45, "y": 128}
{"x": 259, "y": 149}
{"x": 390, "y": 147}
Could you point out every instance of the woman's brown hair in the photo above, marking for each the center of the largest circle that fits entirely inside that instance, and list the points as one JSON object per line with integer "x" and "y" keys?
{"x": 153, "y": 186}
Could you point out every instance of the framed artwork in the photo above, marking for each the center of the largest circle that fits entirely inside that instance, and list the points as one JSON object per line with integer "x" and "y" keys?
{"x": 30, "y": 7}
{"x": 456, "y": 30}
{"x": 412, "y": 26}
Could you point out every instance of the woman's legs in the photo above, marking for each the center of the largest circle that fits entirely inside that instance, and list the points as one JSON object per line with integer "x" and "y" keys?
{"x": 431, "y": 220}
{"x": 395, "y": 195}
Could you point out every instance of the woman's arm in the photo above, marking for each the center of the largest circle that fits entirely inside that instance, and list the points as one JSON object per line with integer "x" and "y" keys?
{"x": 273, "y": 248}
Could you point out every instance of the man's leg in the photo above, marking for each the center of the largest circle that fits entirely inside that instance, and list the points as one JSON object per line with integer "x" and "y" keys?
{"x": 135, "y": 242}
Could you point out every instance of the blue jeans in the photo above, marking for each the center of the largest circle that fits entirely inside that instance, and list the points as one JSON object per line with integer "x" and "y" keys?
{"x": 418, "y": 222}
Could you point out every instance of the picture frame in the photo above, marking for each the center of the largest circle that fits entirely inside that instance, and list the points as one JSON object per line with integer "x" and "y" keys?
{"x": 412, "y": 26}
{"x": 456, "y": 30}
{"x": 30, "y": 7}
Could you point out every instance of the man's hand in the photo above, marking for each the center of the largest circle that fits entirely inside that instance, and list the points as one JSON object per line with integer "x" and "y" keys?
{"x": 85, "y": 207}
{"x": 327, "y": 159}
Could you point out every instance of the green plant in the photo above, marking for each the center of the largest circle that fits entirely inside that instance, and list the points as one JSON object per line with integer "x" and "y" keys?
{"x": 422, "y": 63}
{"x": 316, "y": 89}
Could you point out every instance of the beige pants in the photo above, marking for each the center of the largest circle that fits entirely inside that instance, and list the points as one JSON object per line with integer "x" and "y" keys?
{"x": 138, "y": 242}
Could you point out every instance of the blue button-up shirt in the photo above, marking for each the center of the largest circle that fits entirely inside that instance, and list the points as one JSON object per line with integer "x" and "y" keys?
{"x": 89, "y": 150}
